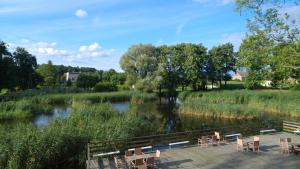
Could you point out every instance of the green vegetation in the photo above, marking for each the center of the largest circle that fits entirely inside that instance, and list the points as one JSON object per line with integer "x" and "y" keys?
{"x": 62, "y": 144}
{"x": 241, "y": 103}
{"x": 30, "y": 106}
{"x": 105, "y": 87}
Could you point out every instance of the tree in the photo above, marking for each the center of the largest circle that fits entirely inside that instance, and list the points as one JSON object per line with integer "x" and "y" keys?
{"x": 223, "y": 60}
{"x": 271, "y": 43}
{"x": 7, "y": 68}
{"x": 87, "y": 80}
{"x": 194, "y": 65}
{"x": 48, "y": 72}
{"x": 26, "y": 65}
{"x": 140, "y": 63}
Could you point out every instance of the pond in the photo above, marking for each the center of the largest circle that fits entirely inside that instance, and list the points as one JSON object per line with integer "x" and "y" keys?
{"x": 165, "y": 117}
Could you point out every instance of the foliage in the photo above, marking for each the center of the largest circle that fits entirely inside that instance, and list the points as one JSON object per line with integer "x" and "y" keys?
{"x": 87, "y": 80}
{"x": 105, "y": 87}
{"x": 48, "y": 72}
{"x": 62, "y": 144}
{"x": 270, "y": 49}
{"x": 26, "y": 65}
{"x": 241, "y": 103}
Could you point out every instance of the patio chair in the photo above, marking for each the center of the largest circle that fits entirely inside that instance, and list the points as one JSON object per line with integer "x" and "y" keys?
{"x": 157, "y": 154}
{"x": 138, "y": 151}
{"x": 119, "y": 163}
{"x": 151, "y": 162}
{"x": 219, "y": 138}
{"x": 214, "y": 140}
{"x": 254, "y": 146}
{"x": 139, "y": 163}
{"x": 203, "y": 141}
{"x": 241, "y": 145}
{"x": 286, "y": 148}
{"x": 256, "y": 138}
{"x": 128, "y": 154}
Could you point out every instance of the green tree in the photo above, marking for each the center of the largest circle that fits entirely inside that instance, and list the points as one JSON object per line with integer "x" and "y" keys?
{"x": 48, "y": 72}
{"x": 140, "y": 64}
{"x": 194, "y": 65}
{"x": 7, "y": 68}
{"x": 26, "y": 65}
{"x": 223, "y": 61}
{"x": 87, "y": 80}
{"x": 271, "y": 43}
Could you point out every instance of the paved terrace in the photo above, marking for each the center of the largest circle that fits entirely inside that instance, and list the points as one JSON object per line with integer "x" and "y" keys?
{"x": 226, "y": 156}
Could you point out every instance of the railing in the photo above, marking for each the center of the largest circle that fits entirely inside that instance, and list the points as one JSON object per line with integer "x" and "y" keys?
{"x": 289, "y": 126}
{"x": 161, "y": 140}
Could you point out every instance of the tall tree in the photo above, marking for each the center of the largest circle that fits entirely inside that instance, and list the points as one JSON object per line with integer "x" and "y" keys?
{"x": 140, "y": 63}
{"x": 48, "y": 72}
{"x": 275, "y": 36}
{"x": 194, "y": 65}
{"x": 26, "y": 65}
{"x": 7, "y": 68}
{"x": 223, "y": 61}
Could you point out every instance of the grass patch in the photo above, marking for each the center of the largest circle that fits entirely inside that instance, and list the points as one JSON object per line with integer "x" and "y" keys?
{"x": 241, "y": 103}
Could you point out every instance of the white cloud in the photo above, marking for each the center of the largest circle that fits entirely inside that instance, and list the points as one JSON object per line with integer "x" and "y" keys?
{"x": 45, "y": 51}
{"x": 216, "y": 2}
{"x": 81, "y": 13}
{"x": 180, "y": 28}
{"x": 234, "y": 38}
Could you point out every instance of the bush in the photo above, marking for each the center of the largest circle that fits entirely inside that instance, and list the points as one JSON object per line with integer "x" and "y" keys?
{"x": 105, "y": 87}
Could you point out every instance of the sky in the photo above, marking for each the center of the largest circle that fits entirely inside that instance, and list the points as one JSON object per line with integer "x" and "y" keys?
{"x": 95, "y": 33}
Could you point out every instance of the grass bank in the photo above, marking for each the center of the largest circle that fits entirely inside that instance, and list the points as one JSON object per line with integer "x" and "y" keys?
{"x": 62, "y": 143}
{"x": 29, "y": 106}
{"x": 241, "y": 103}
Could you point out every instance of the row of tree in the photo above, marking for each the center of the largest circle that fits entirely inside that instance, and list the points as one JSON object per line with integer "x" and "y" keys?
{"x": 167, "y": 67}
{"x": 20, "y": 70}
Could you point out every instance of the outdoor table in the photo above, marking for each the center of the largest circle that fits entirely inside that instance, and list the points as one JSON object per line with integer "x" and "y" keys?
{"x": 143, "y": 156}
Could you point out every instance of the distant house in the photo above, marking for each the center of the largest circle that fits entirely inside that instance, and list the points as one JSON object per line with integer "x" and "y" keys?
{"x": 239, "y": 76}
{"x": 71, "y": 76}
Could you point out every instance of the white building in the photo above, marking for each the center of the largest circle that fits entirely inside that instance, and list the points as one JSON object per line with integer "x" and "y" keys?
{"x": 239, "y": 76}
{"x": 72, "y": 76}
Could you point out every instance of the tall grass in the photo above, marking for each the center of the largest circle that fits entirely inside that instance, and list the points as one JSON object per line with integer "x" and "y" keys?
{"x": 241, "y": 103}
{"x": 62, "y": 144}
{"x": 29, "y": 106}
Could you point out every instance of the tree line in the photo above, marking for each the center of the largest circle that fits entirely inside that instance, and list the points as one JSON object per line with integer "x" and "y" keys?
{"x": 19, "y": 71}
{"x": 151, "y": 68}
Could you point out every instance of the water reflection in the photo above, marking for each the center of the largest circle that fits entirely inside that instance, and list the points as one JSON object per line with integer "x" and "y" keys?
{"x": 121, "y": 106}
{"x": 58, "y": 112}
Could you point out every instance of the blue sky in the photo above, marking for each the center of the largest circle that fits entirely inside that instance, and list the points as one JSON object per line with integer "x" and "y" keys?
{"x": 96, "y": 33}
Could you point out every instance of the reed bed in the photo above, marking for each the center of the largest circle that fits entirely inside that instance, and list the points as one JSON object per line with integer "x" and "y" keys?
{"x": 241, "y": 103}
{"x": 62, "y": 143}
{"x": 29, "y": 106}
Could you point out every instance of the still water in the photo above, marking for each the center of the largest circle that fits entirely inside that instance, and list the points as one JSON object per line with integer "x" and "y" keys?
{"x": 166, "y": 118}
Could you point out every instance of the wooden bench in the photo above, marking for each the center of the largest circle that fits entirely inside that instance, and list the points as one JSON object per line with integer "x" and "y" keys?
{"x": 178, "y": 143}
{"x": 233, "y": 136}
{"x": 143, "y": 148}
{"x": 106, "y": 154}
{"x": 267, "y": 131}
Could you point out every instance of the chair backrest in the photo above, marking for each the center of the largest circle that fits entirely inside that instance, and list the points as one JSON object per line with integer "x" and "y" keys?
{"x": 142, "y": 166}
{"x": 289, "y": 140}
{"x": 204, "y": 139}
{"x": 256, "y": 138}
{"x": 214, "y": 138}
{"x": 150, "y": 160}
{"x": 239, "y": 141}
{"x": 157, "y": 155}
{"x": 139, "y": 161}
{"x": 217, "y": 134}
{"x": 285, "y": 145}
{"x": 240, "y": 136}
{"x": 256, "y": 143}
{"x": 138, "y": 151}
{"x": 128, "y": 153}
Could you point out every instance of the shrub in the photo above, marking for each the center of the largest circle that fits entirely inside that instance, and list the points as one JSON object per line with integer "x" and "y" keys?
{"x": 105, "y": 87}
